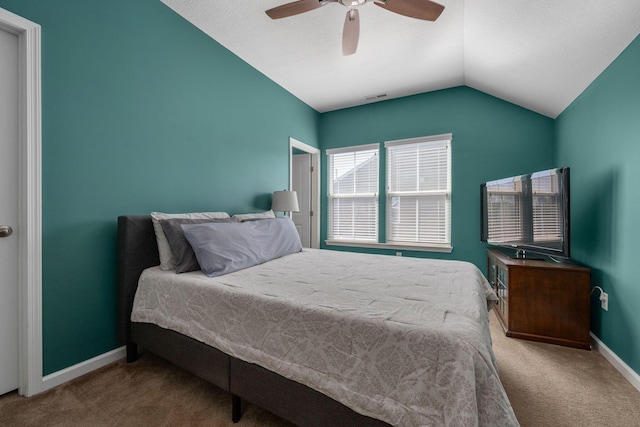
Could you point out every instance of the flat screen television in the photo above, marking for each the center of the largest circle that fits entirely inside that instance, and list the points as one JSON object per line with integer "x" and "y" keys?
{"x": 528, "y": 213}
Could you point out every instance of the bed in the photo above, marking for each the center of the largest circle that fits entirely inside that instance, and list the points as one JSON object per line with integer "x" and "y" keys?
{"x": 317, "y": 341}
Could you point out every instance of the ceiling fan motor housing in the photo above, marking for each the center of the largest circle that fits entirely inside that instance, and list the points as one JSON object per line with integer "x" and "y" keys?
{"x": 353, "y": 3}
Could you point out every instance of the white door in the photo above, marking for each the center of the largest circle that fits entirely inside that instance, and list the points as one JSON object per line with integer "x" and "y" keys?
{"x": 301, "y": 184}
{"x": 8, "y": 211}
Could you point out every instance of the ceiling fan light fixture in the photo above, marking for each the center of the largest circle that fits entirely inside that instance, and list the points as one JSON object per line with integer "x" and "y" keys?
{"x": 353, "y": 3}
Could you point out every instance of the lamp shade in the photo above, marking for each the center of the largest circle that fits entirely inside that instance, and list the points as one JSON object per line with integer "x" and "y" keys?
{"x": 285, "y": 201}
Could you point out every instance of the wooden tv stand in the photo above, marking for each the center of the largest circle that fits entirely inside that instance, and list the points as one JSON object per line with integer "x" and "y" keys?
{"x": 541, "y": 300}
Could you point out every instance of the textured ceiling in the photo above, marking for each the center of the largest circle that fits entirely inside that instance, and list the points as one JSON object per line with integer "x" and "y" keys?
{"x": 537, "y": 54}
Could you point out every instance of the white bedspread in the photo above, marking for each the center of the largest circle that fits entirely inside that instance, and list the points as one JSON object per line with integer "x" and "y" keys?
{"x": 400, "y": 339}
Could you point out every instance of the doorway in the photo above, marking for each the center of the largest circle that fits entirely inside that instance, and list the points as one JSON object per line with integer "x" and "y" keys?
{"x": 28, "y": 230}
{"x": 8, "y": 212}
{"x": 304, "y": 178}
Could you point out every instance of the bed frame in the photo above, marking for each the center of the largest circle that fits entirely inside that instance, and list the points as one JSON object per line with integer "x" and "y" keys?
{"x": 295, "y": 402}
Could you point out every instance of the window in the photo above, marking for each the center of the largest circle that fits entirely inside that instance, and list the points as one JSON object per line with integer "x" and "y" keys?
{"x": 419, "y": 191}
{"x": 353, "y": 193}
{"x": 418, "y": 196}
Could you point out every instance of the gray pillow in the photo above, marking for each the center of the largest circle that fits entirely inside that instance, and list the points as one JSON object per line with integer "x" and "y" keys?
{"x": 167, "y": 262}
{"x": 184, "y": 258}
{"x": 225, "y": 248}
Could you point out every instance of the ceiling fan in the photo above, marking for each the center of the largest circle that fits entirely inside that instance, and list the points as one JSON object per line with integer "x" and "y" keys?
{"x": 420, "y": 9}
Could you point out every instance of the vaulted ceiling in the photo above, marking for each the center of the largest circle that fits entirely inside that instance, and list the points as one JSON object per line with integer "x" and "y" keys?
{"x": 538, "y": 54}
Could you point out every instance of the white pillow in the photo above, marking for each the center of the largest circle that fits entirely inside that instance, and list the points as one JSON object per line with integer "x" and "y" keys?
{"x": 167, "y": 260}
{"x": 258, "y": 215}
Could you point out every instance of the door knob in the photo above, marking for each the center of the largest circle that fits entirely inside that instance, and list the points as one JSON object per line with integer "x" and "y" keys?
{"x": 5, "y": 231}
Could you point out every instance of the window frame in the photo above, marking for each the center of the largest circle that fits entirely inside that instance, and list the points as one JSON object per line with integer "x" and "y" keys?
{"x": 341, "y": 240}
{"x": 440, "y": 246}
{"x": 391, "y": 245}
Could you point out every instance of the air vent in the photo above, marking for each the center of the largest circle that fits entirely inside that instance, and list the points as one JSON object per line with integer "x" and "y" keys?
{"x": 376, "y": 97}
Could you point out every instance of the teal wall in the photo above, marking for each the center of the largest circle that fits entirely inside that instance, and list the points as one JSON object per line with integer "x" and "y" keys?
{"x": 141, "y": 111}
{"x": 599, "y": 136}
{"x": 492, "y": 139}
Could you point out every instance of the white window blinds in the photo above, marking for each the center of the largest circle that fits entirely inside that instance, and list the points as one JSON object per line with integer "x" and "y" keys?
{"x": 419, "y": 190}
{"x": 353, "y": 193}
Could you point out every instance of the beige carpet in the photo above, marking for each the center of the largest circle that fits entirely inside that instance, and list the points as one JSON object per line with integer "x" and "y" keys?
{"x": 554, "y": 386}
{"x": 548, "y": 385}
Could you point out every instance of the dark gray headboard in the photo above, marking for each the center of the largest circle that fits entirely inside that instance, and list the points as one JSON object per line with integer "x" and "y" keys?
{"x": 137, "y": 250}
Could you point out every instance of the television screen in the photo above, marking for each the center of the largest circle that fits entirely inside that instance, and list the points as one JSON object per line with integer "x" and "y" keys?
{"x": 528, "y": 212}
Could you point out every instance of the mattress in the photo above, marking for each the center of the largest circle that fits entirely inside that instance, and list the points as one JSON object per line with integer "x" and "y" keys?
{"x": 400, "y": 339}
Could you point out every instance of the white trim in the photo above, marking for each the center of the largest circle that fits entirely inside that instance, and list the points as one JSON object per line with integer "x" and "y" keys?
{"x": 352, "y": 149}
{"x": 617, "y": 363}
{"x": 82, "y": 368}
{"x": 441, "y": 137}
{"x": 315, "y": 185}
{"x": 29, "y": 203}
{"x": 431, "y": 247}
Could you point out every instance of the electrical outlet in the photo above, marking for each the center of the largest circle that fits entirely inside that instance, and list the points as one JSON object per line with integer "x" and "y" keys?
{"x": 604, "y": 301}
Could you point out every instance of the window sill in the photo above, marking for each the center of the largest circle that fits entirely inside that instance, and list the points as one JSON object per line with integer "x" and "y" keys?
{"x": 403, "y": 246}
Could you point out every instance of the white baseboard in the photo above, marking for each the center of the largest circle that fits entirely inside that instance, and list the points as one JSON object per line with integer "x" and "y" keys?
{"x": 75, "y": 371}
{"x": 72, "y": 372}
{"x": 617, "y": 363}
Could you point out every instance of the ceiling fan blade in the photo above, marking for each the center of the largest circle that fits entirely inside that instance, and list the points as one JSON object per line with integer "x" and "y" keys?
{"x": 351, "y": 32}
{"x": 294, "y": 8}
{"x": 419, "y": 9}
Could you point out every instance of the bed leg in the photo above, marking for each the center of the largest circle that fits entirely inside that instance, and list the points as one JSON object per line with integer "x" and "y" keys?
{"x": 132, "y": 352}
{"x": 236, "y": 408}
